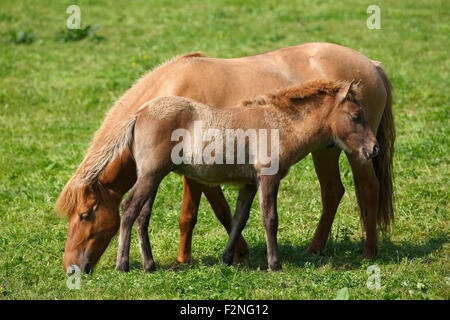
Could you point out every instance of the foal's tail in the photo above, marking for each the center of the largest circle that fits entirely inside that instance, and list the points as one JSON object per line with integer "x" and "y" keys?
{"x": 119, "y": 137}
{"x": 383, "y": 163}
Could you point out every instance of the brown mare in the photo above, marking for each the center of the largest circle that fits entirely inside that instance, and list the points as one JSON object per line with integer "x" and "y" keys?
{"x": 300, "y": 119}
{"x": 223, "y": 83}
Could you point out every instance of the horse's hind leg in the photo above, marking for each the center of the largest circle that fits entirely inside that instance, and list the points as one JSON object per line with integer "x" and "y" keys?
{"x": 188, "y": 218}
{"x": 144, "y": 242}
{"x": 326, "y": 163}
{"x": 144, "y": 190}
{"x": 243, "y": 205}
{"x": 367, "y": 191}
{"x": 222, "y": 211}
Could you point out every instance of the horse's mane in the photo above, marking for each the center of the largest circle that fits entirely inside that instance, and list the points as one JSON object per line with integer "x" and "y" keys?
{"x": 285, "y": 97}
{"x": 109, "y": 141}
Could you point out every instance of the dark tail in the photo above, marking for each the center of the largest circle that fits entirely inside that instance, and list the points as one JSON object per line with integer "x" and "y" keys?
{"x": 383, "y": 163}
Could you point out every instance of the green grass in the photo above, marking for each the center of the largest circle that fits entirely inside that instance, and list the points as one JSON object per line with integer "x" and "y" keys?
{"x": 53, "y": 96}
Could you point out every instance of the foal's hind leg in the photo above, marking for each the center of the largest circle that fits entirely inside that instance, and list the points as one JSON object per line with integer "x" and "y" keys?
{"x": 326, "y": 163}
{"x": 268, "y": 190}
{"x": 144, "y": 190}
{"x": 243, "y": 205}
{"x": 367, "y": 191}
{"x": 144, "y": 242}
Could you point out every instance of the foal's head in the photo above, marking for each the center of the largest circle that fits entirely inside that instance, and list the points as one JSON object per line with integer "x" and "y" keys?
{"x": 93, "y": 221}
{"x": 349, "y": 126}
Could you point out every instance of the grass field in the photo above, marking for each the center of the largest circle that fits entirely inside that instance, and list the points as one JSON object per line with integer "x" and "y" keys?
{"x": 54, "y": 95}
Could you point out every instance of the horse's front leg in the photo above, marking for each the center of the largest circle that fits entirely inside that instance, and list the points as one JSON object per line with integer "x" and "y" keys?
{"x": 144, "y": 190}
{"x": 243, "y": 205}
{"x": 268, "y": 190}
{"x": 367, "y": 189}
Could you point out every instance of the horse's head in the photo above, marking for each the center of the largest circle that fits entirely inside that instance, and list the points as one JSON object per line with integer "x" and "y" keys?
{"x": 93, "y": 221}
{"x": 349, "y": 125}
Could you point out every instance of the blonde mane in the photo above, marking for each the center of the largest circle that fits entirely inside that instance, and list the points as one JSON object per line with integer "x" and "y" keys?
{"x": 109, "y": 141}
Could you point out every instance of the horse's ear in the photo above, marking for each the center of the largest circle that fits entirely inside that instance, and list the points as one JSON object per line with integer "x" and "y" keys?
{"x": 344, "y": 91}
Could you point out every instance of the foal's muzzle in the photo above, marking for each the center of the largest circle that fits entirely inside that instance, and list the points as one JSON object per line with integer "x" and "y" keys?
{"x": 371, "y": 154}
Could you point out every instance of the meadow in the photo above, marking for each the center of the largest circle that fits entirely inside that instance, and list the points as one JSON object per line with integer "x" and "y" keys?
{"x": 55, "y": 89}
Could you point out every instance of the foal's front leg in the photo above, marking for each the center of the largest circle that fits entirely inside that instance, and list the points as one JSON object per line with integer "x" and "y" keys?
{"x": 144, "y": 190}
{"x": 243, "y": 205}
{"x": 268, "y": 190}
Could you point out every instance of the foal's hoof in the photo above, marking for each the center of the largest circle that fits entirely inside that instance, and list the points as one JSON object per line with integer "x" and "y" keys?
{"x": 123, "y": 267}
{"x": 227, "y": 259}
{"x": 151, "y": 267}
{"x": 240, "y": 256}
{"x": 241, "y": 251}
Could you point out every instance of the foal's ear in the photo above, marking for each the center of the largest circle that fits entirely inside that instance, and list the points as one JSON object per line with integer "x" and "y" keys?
{"x": 348, "y": 90}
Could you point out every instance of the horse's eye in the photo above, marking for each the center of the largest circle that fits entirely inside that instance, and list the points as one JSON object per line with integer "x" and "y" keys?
{"x": 356, "y": 116}
{"x": 84, "y": 215}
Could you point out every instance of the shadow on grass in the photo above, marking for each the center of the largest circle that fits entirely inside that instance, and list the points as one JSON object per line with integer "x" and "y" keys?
{"x": 345, "y": 254}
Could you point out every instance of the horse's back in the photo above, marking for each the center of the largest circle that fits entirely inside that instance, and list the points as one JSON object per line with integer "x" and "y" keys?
{"x": 226, "y": 82}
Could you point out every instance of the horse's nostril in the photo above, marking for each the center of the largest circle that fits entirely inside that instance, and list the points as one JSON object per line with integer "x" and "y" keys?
{"x": 376, "y": 149}
{"x": 87, "y": 268}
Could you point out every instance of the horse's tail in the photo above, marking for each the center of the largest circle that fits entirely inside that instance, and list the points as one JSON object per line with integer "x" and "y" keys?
{"x": 383, "y": 163}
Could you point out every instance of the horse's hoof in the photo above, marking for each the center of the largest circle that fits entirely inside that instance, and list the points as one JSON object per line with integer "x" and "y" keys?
{"x": 176, "y": 266}
{"x": 313, "y": 249}
{"x": 369, "y": 253}
{"x": 275, "y": 267}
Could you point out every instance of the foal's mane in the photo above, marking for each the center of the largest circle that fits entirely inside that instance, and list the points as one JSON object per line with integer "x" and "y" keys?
{"x": 110, "y": 140}
{"x": 286, "y": 97}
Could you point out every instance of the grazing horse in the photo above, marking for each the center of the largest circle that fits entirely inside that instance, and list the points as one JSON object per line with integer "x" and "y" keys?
{"x": 300, "y": 119}
{"x": 223, "y": 83}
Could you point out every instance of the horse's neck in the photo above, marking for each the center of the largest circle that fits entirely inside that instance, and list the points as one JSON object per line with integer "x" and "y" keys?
{"x": 120, "y": 174}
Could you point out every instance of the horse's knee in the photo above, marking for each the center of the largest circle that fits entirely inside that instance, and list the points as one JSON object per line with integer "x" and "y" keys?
{"x": 187, "y": 220}
{"x": 332, "y": 194}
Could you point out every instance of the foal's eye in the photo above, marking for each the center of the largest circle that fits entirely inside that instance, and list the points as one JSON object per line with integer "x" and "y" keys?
{"x": 356, "y": 116}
